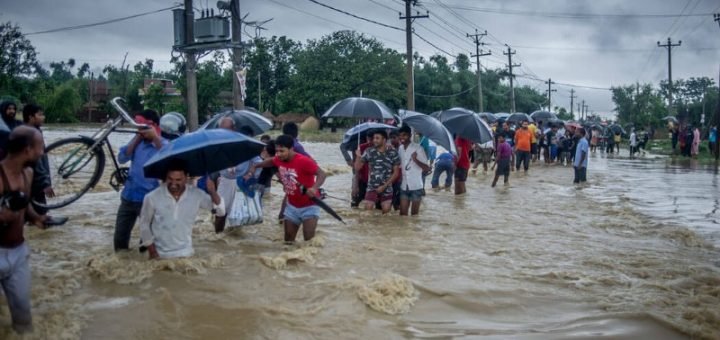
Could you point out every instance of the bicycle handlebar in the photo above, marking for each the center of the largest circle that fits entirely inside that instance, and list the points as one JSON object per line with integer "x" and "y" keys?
{"x": 125, "y": 115}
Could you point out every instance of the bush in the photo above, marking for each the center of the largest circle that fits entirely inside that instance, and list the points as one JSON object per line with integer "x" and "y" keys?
{"x": 62, "y": 105}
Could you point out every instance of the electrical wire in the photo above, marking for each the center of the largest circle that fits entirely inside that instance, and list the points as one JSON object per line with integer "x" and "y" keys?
{"x": 447, "y": 95}
{"x": 105, "y": 22}
{"x": 572, "y": 15}
{"x": 356, "y": 16}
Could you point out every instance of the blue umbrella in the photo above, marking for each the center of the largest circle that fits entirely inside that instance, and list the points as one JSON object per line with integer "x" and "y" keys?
{"x": 360, "y": 108}
{"x": 430, "y": 128}
{"x": 466, "y": 124}
{"x": 352, "y": 137}
{"x": 204, "y": 152}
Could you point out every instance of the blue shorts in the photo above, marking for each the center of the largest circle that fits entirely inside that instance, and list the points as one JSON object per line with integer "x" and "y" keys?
{"x": 298, "y": 215}
{"x": 412, "y": 195}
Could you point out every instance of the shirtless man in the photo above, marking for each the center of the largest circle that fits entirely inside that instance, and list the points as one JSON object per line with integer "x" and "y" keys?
{"x": 25, "y": 147}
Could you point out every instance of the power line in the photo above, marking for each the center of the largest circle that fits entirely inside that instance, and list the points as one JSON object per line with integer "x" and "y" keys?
{"x": 356, "y": 16}
{"x": 334, "y": 22}
{"x": 572, "y": 15}
{"x": 447, "y": 95}
{"x": 433, "y": 45}
{"x": 527, "y": 76}
{"x": 383, "y": 5}
{"x": 69, "y": 28}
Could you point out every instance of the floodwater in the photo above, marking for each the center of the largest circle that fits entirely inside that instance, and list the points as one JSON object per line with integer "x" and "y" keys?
{"x": 631, "y": 255}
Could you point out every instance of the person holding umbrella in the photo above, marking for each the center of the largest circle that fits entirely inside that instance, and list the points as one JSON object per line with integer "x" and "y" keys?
{"x": 301, "y": 178}
{"x": 384, "y": 167}
{"x": 169, "y": 212}
{"x": 415, "y": 163}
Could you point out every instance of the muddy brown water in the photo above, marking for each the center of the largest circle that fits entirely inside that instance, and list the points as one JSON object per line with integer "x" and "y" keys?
{"x": 631, "y": 255}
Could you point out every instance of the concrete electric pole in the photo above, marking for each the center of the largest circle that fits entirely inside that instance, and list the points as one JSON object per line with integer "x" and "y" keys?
{"x": 669, "y": 47}
{"x": 478, "y": 53}
{"x": 510, "y": 66}
{"x": 190, "y": 65}
{"x": 237, "y": 57}
{"x": 408, "y": 37}
{"x": 572, "y": 99}
{"x": 550, "y": 90}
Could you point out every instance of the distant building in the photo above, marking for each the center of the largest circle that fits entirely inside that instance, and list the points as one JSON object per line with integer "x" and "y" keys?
{"x": 167, "y": 85}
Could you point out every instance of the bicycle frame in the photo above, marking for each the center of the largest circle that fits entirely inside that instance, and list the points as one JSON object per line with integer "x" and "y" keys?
{"x": 100, "y": 137}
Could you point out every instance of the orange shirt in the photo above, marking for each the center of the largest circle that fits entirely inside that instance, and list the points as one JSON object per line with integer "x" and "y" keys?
{"x": 522, "y": 139}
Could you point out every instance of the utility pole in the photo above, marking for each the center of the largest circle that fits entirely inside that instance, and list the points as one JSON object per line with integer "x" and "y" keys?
{"x": 550, "y": 90}
{"x": 190, "y": 64}
{"x": 582, "y": 113}
{"x": 478, "y": 53}
{"x": 510, "y": 66}
{"x": 585, "y": 109}
{"x": 408, "y": 38}
{"x": 238, "y": 102}
{"x": 669, "y": 47}
{"x": 716, "y": 17}
{"x": 572, "y": 99}
{"x": 260, "y": 108}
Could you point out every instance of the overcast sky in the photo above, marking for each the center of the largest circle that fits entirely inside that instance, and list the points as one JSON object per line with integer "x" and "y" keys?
{"x": 582, "y": 49}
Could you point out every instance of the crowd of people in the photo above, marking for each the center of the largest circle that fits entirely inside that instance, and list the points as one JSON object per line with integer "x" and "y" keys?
{"x": 686, "y": 139}
{"x": 389, "y": 170}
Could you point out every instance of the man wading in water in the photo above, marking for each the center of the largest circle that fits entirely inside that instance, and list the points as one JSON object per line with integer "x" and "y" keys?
{"x": 384, "y": 170}
{"x": 302, "y": 178}
{"x": 414, "y": 162}
{"x": 25, "y": 147}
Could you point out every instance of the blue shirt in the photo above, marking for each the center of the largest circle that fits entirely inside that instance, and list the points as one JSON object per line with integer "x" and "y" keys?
{"x": 429, "y": 149}
{"x": 445, "y": 157}
{"x": 137, "y": 185}
{"x": 713, "y": 135}
{"x": 582, "y": 146}
{"x": 297, "y": 147}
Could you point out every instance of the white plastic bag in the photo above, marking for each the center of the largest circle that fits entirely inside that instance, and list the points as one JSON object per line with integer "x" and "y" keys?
{"x": 245, "y": 210}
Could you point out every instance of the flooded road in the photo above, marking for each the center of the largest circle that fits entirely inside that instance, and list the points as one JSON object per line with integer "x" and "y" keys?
{"x": 624, "y": 257}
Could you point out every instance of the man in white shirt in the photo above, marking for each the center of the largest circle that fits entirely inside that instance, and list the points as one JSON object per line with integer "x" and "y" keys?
{"x": 633, "y": 142}
{"x": 413, "y": 163}
{"x": 168, "y": 213}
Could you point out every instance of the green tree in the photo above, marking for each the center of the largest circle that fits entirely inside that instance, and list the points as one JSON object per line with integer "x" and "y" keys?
{"x": 341, "y": 65}
{"x": 62, "y": 105}
{"x": 18, "y": 60}
{"x": 154, "y": 97}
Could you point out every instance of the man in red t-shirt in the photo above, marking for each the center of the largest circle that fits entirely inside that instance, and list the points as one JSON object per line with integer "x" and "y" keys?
{"x": 360, "y": 179}
{"x": 301, "y": 178}
{"x": 464, "y": 146}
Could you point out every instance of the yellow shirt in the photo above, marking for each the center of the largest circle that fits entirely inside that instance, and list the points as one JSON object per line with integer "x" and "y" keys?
{"x": 533, "y": 130}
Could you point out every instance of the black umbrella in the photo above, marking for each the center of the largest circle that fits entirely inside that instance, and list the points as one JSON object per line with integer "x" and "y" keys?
{"x": 466, "y": 124}
{"x": 355, "y": 107}
{"x": 615, "y": 128}
{"x": 543, "y": 116}
{"x": 352, "y": 137}
{"x": 204, "y": 152}
{"x": 254, "y": 121}
{"x": 518, "y": 117}
{"x": 488, "y": 117}
{"x": 320, "y": 203}
{"x": 429, "y": 127}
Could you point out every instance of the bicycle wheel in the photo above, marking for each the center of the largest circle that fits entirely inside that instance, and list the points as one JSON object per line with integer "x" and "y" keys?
{"x": 75, "y": 168}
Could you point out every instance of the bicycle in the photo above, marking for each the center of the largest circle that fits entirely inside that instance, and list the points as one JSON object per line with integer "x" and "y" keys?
{"x": 78, "y": 163}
